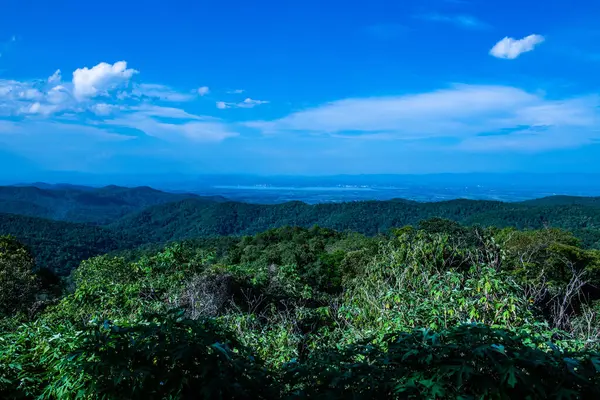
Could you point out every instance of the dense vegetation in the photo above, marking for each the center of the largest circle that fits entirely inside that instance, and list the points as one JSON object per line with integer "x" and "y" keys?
{"x": 192, "y": 218}
{"x": 140, "y": 216}
{"x": 60, "y": 246}
{"x": 439, "y": 310}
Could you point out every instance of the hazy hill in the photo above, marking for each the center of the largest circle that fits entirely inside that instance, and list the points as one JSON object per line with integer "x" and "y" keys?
{"x": 56, "y": 186}
{"x": 85, "y": 204}
{"x": 565, "y": 201}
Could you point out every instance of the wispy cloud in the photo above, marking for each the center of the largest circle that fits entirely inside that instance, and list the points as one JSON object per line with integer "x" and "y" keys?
{"x": 236, "y": 91}
{"x": 510, "y": 48}
{"x": 462, "y": 112}
{"x": 251, "y": 103}
{"x": 460, "y": 20}
{"x": 157, "y": 92}
{"x": 55, "y": 78}
{"x": 247, "y": 103}
{"x": 195, "y": 130}
{"x": 45, "y": 127}
{"x": 203, "y": 91}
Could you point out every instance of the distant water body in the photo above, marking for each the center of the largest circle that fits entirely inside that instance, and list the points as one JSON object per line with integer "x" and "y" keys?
{"x": 307, "y": 188}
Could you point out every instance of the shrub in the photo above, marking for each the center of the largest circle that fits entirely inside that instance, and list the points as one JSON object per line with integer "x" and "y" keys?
{"x": 164, "y": 357}
{"x": 469, "y": 361}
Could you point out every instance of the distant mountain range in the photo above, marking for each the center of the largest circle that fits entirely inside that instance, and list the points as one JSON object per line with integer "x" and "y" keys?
{"x": 75, "y": 203}
{"x": 564, "y": 183}
{"x": 325, "y": 189}
{"x": 64, "y": 224}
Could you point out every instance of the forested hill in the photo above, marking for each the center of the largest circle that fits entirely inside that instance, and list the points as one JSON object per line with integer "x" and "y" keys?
{"x": 193, "y": 218}
{"x": 61, "y": 245}
{"x": 84, "y": 204}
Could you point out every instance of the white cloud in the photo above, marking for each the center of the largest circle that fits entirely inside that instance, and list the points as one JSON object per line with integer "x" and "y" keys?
{"x": 463, "y": 21}
{"x": 510, "y": 48}
{"x": 196, "y": 131}
{"x": 90, "y": 82}
{"x": 155, "y": 91}
{"x": 50, "y": 104}
{"x": 18, "y": 91}
{"x": 30, "y": 94}
{"x": 163, "y": 112}
{"x": 425, "y": 112}
{"x": 48, "y": 127}
{"x": 204, "y": 90}
{"x": 58, "y": 95}
{"x": 103, "y": 109}
{"x": 33, "y": 97}
{"x": 247, "y": 103}
{"x": 39, "y": 109}
{"x": 236, "y": 91}
{"x": 34, "y": 108}
{"x": 251, "y": 103}
{"x": 20, "y": 98}
{"x": 189, "y": 127}
{"x": 55, "y": 78}
{"x": 50, "y": 96}
{"x": 462, "y": 112}
{"x": 6, "y": 87}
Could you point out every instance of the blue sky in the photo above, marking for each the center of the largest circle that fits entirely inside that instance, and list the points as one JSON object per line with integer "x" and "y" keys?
{"x": 310, "y": 87}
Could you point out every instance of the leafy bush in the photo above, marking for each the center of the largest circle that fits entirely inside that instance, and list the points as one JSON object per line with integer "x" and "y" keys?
{"x": 30, "y": 355}
{"x": 470, "y": 361}
{"x": 164, "y": 357}
{"x": 411, "y": 284}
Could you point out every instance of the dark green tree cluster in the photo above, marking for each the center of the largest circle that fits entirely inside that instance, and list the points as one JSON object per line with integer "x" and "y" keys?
{"x": 18, "y": 284}
{"x": 61, "y": 246}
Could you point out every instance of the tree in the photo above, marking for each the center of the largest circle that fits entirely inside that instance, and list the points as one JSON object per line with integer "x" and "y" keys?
{"x": 18, "y": 283}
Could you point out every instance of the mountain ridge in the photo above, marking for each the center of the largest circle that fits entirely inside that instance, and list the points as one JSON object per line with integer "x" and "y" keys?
{"x": 61, "y": 243}
{"x": 98, "y": 206}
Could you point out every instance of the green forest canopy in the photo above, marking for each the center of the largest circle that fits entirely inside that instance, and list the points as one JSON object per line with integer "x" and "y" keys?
{"x": 437, "y": 311}
{"x": 61, "y": 245}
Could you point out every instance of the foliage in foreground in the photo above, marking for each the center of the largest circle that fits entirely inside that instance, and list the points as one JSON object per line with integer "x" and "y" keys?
{"x": 442, "y": 311}
{"x": 469, "y": 361}
{"x": 166, "y": 356}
